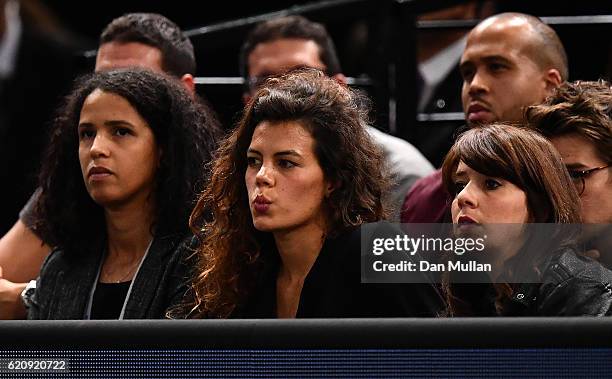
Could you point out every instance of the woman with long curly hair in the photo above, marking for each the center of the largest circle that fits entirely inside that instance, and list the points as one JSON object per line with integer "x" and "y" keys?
{"x": 503, "y": 178}
{"x": 279, "y": 221}
{"x": 117, "y": 184}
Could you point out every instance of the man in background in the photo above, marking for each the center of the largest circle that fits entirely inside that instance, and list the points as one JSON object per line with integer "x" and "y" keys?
{"x": 284, "y": 44}
{"x": 510, "y": 61}
{"x": 577, "y": 119}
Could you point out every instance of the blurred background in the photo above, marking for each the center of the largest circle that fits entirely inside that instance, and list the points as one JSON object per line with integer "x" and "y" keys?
{"x": 384, "y": 46}
{"x": 379, "y": 41}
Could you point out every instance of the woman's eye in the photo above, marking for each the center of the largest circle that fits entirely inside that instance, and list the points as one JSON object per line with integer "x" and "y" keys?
{"x": 492, "y": 184}
{"x": 286, "y": 164}
{"x": 123, "y": 132}
{"x": 459, "y": 186}
{"x": 575, "y": 174}
{"x": 252, "y": 161}
{"x": 84, "y": 134}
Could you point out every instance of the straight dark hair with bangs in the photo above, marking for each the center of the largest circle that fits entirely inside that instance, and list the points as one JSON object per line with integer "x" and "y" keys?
{"x": 524, "y": 158}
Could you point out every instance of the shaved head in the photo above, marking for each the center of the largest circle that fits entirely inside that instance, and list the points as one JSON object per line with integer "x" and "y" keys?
{"x": 544, "y": 46}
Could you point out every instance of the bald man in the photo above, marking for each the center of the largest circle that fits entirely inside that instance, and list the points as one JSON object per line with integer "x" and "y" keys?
{"x": 510, "y": 61}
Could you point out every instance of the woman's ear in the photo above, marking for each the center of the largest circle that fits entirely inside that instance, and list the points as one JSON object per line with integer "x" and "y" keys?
{"x": 331, "y": 187}
{"x": 189, "y": 83}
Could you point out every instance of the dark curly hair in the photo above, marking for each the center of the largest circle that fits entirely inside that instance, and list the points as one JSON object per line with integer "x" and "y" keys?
{"x": 231, "y": 247}
{"x": 69, "y": 218}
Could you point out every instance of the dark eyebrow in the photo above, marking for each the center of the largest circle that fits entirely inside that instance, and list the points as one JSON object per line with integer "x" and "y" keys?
{"x": 486, "y": 59}
{"x": 575, "y": 166}
{"x": 460, "y": 173}
{"x": 118, "y": 123}
{"x": 288, "y": 152}
{"x": 496, "y": 58}
{"x": 111, "y": 123}
{"x": 277, "y": 154}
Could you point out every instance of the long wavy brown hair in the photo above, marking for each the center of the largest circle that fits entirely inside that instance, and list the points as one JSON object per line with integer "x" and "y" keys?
{"x": 230, "y": 247}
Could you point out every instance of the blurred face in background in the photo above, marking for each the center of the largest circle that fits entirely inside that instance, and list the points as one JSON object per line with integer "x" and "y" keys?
{"x": 113, "y": 55}
{"x": 281, "y": 56}
{"x": 500, "y": 76}
{"x": 594, "y": 185}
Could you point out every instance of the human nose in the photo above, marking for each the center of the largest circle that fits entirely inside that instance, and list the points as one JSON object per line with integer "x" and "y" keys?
{"x": 478, "y": 84}
{"x": 99, "y": 147}
{"x": 265, "y": 176}
{"x": 467, "y": 197}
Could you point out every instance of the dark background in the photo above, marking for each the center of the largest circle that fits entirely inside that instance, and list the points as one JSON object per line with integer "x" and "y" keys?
{"x": 361, "y": 33}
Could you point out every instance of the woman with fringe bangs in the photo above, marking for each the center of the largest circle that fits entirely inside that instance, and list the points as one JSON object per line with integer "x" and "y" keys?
{"x": 510, "y": 184}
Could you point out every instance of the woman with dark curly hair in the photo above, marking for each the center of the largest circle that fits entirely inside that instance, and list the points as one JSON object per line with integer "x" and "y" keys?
{"x": 291, "y": 188}
{"x": 503, "y": 178}
{"x": 117, "y": 185}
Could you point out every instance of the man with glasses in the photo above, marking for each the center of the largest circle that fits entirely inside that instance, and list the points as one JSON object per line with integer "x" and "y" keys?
{"x": 577, "y": 119}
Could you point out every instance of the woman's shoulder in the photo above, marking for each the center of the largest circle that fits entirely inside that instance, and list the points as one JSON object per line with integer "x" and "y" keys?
{"x": 569, "y": 265}
{"x": 60, "y": 258}
{"x": 574, "y": 285}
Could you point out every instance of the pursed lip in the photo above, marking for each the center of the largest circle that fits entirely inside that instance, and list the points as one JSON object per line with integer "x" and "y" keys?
{"x": 98, "y": 171}
{"x": 261, "y": 204}
{"x": 261, "y": 199}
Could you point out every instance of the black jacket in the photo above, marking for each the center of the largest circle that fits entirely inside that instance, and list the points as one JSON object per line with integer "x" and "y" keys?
{"x": 65, "y": 282}
{"x": 572, "y": 285}
{"x": 333, "y": 288}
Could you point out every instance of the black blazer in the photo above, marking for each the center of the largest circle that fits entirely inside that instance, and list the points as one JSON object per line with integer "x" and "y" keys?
{"x": 65, "y": 282}
{"x": 333, "y": 286}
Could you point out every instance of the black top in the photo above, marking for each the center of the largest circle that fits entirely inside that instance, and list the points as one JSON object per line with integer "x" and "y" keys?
{"x": 333, "y": 287}
{"x": 108, "y": 300}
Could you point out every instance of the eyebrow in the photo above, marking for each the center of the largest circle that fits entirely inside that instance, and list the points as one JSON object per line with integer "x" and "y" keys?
{"x": 487, "y": 59}
{"x": 460, "y": 173}
{"x": 575, "y": 166}
{"x": 107, "y": 123}
{"x": 118, "y": 123}
{"x": 280, "y": 153}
